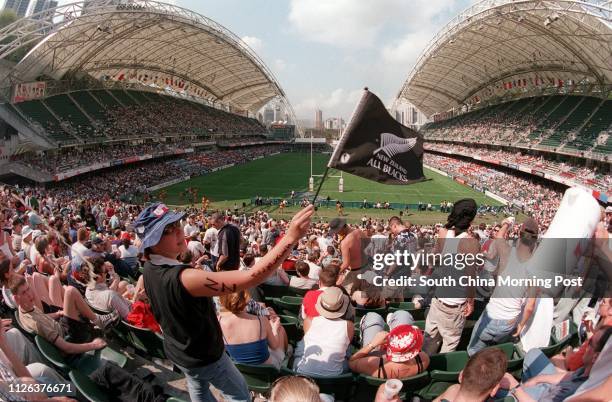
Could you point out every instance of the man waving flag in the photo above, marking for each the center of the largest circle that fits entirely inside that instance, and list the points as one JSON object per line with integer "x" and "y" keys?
{"x": 377, "y": 147}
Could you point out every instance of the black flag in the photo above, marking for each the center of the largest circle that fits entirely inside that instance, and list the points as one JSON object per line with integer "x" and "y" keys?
{"x": 377, "y": 147}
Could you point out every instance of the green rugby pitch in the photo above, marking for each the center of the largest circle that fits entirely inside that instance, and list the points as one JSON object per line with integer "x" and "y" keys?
{"x": 277, "y": 175}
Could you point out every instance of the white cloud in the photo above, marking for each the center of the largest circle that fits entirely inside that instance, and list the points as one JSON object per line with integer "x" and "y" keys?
{"x": 253, "y": 42}
{"x": 338, "y": 101}
{"x": 405, "y": 51}
{"x": 279, "y": 65}
{"x": 354, "y": 24}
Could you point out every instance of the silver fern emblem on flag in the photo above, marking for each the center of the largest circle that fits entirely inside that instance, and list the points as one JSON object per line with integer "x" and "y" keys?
{"x": 392, "y": 144}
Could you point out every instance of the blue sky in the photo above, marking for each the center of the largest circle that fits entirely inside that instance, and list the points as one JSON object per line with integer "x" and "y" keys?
{"x": 324, "y": 51}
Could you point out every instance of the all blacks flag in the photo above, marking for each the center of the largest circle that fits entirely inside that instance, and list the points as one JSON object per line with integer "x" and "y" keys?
{"x": 377, "y": 147}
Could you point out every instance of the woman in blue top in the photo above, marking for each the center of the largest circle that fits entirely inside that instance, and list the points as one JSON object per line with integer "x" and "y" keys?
{"x": 248, "y": 338}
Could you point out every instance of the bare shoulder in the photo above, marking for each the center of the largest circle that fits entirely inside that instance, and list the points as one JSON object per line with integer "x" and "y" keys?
{"x": 450, "y": 393}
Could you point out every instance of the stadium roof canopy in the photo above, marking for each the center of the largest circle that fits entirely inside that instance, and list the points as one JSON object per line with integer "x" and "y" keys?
{"x": 146, "y": 41}
{"x": 504, "y": 49}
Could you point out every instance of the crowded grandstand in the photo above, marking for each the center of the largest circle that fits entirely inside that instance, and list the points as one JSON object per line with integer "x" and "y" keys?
{"x": 111, "y": 294}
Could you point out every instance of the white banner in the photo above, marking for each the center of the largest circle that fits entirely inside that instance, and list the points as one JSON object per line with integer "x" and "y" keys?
{"x": 28, "y": 91}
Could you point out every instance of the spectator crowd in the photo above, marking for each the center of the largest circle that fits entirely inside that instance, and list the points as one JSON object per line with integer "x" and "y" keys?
{"x": 242, "y": 290}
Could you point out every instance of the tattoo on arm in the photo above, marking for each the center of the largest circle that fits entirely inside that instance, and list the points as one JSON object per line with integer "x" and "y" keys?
{"x": 214, "y": 285}
{"x": 265, "y": 270}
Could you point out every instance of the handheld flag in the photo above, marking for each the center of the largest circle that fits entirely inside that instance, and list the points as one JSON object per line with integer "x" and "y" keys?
{"x": 377, "y": 147}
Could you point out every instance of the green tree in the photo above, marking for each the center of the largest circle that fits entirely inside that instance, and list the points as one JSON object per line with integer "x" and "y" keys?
{"x": 7, "y": 17}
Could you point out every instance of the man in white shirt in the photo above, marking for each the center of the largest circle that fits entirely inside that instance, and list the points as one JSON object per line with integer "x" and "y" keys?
{"x": 378, "y": 241}
{"x": 314, "y": 268}
{"x": 508, "y": 304}
{"x": 191, "y": 228}
{"x": 78, "y": 249}
{"x": 210, "y": 237}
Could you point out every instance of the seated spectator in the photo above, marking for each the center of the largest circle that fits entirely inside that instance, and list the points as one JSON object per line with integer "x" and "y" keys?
{"x": 127, "y": 251}
{"x": 598, "y": 386}
{"x": 113, "y": 297}
{"x": 195, "y": 246}
{"x": 401, "y": 347}
{"x": 45, "y": 262}
{"x": 571, "y": 359}
{"x": 247, "y": 261}
{"x": 64, "y": 329}
{"x": 323, "y": 351}
{"x": 313, "y": 259}
{"x": 327, "y": 278}
{"x": 296, "y": 389}
{"x": 20, "y": 359}
{"x": 541, "y": 381}
{"x": 250, "y": 339}
{"x": 481, "y": 378}
{"x": 301, "y": 281}
{"x": 5, "y": 275}
{"x": 366, "y": 295}
{"x": 278, "y": 278}
{"x": 328, "y": 256}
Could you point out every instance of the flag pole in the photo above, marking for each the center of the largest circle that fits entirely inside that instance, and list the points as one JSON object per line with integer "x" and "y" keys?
{"x": 320, "y": 185}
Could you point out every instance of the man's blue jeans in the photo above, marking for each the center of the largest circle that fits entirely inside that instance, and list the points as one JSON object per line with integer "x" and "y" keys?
{"x": 223, "y": 375}
{"x": 536, "y": 363}
{"x": 489, "y": 332}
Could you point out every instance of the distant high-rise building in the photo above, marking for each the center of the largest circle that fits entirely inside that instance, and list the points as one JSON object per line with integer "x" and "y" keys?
{"x": 278, "y": 113}
{"x": 408, "y": 115}
{"x": 334, "y": 123}
{"x": 20, "y": 7}
{"x": 268, "y": 116}
{"x": 42, "y": 5}
{"x": 319, "y": 119}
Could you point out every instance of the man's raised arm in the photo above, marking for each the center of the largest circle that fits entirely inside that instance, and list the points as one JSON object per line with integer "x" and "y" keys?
{"x": 205, "y": 284}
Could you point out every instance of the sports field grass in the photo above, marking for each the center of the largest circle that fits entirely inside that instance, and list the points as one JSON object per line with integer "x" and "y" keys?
{"x": 277, "y": 175}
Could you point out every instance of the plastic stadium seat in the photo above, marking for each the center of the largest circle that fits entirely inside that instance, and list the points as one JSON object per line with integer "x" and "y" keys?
{"x": 367, "y": 386}
{"x": 145, "y": 340}
{"x": 296, "y": 291}
{"x": 291, "y": 304}
{"x": 86, "y": 363}
{"x": 52, "y": 354}
{"x": 420, "y": 324}
{"x": 259, "y": 377}
{"x": 292, "y": 328}
{"x": 272, "y": 291}
{"x": 88, "y": 389}
{"x": 555, "y": 347}
{"x": 401, "y": 305}
{"x": 29, "y": 334}
{"x": 446, "y": 366}
{"x": 340, "y": 386}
